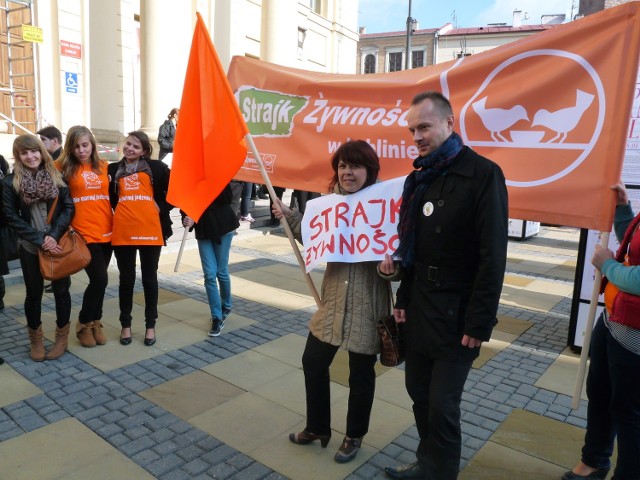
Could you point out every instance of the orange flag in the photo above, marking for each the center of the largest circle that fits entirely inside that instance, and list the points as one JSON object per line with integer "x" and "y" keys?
{"x": 209, "y": 146}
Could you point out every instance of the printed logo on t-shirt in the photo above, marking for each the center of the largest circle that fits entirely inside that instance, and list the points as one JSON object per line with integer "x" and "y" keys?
{"x": 91, "y": 181}
{"x": 131, "y": 182}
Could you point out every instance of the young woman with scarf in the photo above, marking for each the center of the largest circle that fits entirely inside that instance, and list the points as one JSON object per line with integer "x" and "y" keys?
{"x": 28, "y": 194}
{"x": 86, "y": 175}
{"x": 141, "y": 224}
{"x": 354, "y": 298}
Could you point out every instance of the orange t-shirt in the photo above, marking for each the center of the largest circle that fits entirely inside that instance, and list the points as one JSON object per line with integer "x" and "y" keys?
{"x": 136, "y": 220}
{"x": 90, "y": 193}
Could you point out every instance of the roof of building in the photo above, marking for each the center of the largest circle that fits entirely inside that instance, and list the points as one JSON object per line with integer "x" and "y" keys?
{"x": 401, "y": 33}
{"x": 496, "y": 29}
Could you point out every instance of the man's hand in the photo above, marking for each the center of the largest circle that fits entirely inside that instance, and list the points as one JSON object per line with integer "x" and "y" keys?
{"x": 471, "y": 342}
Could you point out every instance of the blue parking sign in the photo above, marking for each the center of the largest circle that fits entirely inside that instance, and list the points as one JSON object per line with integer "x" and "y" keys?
{"x": 71, "y": 82}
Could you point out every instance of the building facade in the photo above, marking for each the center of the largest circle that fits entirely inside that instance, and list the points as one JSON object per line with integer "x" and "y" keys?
{"x": 119, "y": 65}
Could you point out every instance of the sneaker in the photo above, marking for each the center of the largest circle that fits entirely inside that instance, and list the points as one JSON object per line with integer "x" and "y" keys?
{"x": 216, "y": 326}
{"x": 247, "y": 218}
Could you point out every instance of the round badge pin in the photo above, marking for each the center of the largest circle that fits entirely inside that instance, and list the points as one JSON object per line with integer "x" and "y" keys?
{"x": 427, "y": 210}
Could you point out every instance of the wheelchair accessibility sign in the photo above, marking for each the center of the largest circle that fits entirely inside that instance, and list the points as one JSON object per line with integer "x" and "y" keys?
{"x": 71, "y": 82}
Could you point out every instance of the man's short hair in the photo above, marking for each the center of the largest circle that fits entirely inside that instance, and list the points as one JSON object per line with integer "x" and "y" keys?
{"x": 50, "y": 132}
{"x": 440, "y": 101}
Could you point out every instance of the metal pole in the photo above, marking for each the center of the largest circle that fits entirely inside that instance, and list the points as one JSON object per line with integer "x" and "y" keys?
{"x": 408, "y": 52}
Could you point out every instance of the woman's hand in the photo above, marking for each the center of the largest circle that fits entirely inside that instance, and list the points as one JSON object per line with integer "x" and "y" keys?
{"x": 279, "y": 209}
{"x": 621, "y": 194}
{"x": 398, "y": 314}
{"x": 600, "y": 255}
{"x": 387, "y": 266}
{"x": 187, "y": 222}
{"x": 50, "y": 245}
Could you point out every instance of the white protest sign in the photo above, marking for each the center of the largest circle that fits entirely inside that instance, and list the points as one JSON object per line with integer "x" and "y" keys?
{"x": 352, "y": 228}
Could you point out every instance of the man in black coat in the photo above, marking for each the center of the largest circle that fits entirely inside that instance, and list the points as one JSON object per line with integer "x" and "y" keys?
{"x": 452, "y": 258}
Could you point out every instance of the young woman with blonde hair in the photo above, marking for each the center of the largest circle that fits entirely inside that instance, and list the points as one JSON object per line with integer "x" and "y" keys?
{"x": 86, "y": 175}
{"x": 28, "y": 194}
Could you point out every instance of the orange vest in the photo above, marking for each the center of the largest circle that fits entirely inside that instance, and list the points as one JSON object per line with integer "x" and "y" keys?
{"x": 90, "y": 193}
{"x": 136, "y": 220}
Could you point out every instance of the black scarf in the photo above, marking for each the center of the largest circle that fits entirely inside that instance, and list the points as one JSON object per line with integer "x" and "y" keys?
{"x": 428, "y": 169}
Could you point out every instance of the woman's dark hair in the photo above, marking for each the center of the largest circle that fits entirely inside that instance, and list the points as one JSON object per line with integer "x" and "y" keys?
{"x": 147, "y": 149}
{"x": 356, "y": 152}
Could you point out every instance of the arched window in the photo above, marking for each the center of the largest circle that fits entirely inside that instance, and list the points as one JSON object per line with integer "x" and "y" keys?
{"x": 370, "y": 63}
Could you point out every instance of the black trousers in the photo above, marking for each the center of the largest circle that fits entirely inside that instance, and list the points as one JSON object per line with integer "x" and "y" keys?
{"x": 126, "y": 259}
{"x": 316, "y": 359}
{"x": 93, "y": 297}
{"x": 34, "y": 284}
{"x": 436, "y": 387}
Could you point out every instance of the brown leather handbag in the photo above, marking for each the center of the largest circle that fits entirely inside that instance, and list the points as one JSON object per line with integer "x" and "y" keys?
{"x": 74, "y": 257}
{"x": 391, "y": 339}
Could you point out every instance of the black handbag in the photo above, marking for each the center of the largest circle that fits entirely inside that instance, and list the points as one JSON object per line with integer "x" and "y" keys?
{"x": 391, "y": 339}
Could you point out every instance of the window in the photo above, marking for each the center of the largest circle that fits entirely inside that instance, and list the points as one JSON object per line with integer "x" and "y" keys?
{"x": 314, "y": 5}
{"x": 395, "y": 61}
{"x": 370, "y": 63}
{"x": 417, "y": 59}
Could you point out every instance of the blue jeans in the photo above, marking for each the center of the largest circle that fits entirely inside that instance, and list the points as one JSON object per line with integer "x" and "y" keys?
{"x": 614, "y": 405}
{"x": 215, "y": 265}
{"x": 245, "y": 198}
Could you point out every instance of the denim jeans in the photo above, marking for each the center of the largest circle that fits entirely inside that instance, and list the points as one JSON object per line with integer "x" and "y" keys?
{"x": 126, "y": 259}
{"x": 215, "y": 266}
{"x": 245, "y": 198}
{"x": 614, "y": 405}
{"x": 34, "y": 284}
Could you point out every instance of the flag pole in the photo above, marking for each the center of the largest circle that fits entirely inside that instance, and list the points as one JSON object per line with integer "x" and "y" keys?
{"x": 184, "y": 239}
{"x": 584, "y": 355}
{"x": 283, "y": 220}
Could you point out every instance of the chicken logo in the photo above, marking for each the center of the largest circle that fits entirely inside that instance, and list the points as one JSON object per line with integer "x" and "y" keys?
{"x": 91, "y": 181}
{"x": 131, "y": 182}
{"x": 519, "y": 127}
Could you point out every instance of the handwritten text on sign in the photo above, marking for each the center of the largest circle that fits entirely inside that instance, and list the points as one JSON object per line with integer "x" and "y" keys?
{"x": 352, "y": 228}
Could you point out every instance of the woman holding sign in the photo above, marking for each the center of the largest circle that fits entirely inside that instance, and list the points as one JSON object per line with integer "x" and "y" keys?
{"x": 354, "y": 298}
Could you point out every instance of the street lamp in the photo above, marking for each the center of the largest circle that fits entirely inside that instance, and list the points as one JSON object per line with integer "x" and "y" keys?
{"x": 410, "y": 22}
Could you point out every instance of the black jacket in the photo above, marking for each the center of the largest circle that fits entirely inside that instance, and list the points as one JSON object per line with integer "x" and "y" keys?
{"x": 160, "y": 179}
{"x": 18, "y": 215}
{"x": 461, "y": 249}
{"x": 218, "y": 219}
{"x": 166, "y": 135}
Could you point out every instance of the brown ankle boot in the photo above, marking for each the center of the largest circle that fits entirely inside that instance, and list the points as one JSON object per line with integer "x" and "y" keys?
{"x": 60, "y": 345}
{"x": 98, "y": 335}
{"x": 37, "y": 347}
{"x": 84, "y": 332}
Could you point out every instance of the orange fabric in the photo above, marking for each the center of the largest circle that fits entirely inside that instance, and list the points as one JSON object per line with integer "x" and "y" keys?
{"x": 90, "y": 193}
{"x": 610, "y": 293}
{"x": 551, "y": 109}
{"x": 136, "y": 220}
{"x": 209, "y": 147}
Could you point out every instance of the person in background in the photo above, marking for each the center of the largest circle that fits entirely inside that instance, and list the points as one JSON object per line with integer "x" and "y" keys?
{"x": 354, "y": 298}
{"x": 302, "y": 197}
{"x": 4, "y": 264}
{"x": 245, "y": 202}
{"x": 613, "y": 388}
{"x": 141, "y": 224}
{"x": 451, "y": 259}
{"x": 86, "y": 174}
{"x": 28, "y": 195}
{"x": 167, "y": 133}
{"x": 214, "y": 232}
{"x": 52, "y": 139}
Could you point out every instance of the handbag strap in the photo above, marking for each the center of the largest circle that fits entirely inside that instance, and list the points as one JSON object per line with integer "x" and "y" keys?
{"x": 53, "y": 207}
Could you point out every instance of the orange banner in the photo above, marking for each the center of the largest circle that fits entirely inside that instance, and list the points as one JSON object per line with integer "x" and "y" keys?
{"x": 551, "y": 109}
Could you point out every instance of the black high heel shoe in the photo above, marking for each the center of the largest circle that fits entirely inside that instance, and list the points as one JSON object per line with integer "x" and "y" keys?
{"x": 304, "y": 438}
{"x": 125, "y": 340}
{"x": 150, "y": 341}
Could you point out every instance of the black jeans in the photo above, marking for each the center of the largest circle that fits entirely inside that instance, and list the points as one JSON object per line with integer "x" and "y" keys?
{"x": 613, "y": 388}
{"x": 436, "y": 387}
{"x": 34, "y": 284}
{"x": 98, "y": 280}
{"x": 126, "y": 259}
{"x": 316, "y": 359}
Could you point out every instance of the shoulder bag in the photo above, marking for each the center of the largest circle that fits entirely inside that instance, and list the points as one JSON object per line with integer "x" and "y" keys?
{"x": 74, "y": 256}
{"x": 391, "y": 338}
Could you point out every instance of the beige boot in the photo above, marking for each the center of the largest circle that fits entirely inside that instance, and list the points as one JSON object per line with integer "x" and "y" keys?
{"x": 37, "y": 347}
{"x": 84, "y": 332}
{"x": 98, "y": 334}
{"x": 60, "y": 345}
